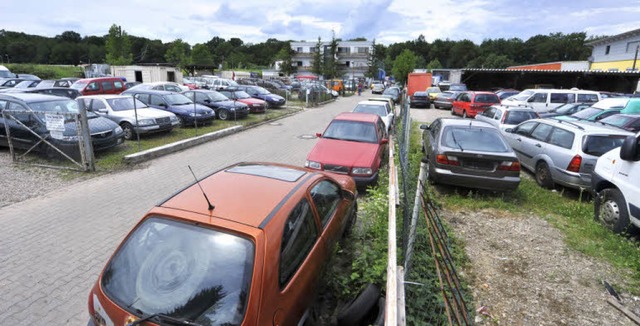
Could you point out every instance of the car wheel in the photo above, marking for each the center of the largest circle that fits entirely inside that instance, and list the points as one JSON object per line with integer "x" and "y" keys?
{"x": 181, "y": 120}
{"x": 543, "y": 175}
{"x": 453, "y": 112}
{"x": 358, "y": 309}
{"x": 464, "y": 114}
{"x": 128, "y": 130}
{"x": 611, "y": 210}
{"x": 223, "y": 115}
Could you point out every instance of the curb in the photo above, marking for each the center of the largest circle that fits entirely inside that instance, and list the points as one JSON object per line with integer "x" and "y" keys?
{"x": 191, "y": 142}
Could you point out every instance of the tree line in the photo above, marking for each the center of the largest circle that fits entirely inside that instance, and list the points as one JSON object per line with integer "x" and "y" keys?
{"x": 120, "y": 48}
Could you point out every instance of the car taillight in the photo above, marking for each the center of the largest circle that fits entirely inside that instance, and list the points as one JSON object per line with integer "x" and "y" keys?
{"x": 447, "y": 160}
{"x": 574, "y": 165}
{"x": 509, "y": 166}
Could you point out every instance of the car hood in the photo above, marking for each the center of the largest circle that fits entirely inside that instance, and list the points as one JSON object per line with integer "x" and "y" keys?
{"x": 143, "y": 113}
{"x": 342, "y": 152}
{"x": 96, "y": 125}
{"x": 187, "y": 108}
{"x": 251, "y": 101}
{"x": 229, "y": 104}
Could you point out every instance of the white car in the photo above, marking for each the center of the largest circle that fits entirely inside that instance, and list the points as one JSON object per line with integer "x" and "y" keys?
{"x": 377, "y": 107}
{"x": 162, "y": 86}
{"x": 120, "y": 109}
{"x": 377, "y": 87}
{"x": 504, "y": 117}
{"x": 615, "y": 183}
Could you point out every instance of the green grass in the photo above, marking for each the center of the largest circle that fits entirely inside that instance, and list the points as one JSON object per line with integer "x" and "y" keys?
{"x": 46, "y": 71}
{"x": 564, "y": 209}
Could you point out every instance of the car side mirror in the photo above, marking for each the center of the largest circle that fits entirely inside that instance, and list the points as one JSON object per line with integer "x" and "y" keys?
{"x": 102, "y": 110}
{"x": 424, "y": 127}
{"x": 509, "y": 130}
{"x": 162, "y": 104}
{"x": 629, "y": 149}
{"x": 384, "y": 141}
{"x": 207, "y": 101}
{"x": 318, "y": 134}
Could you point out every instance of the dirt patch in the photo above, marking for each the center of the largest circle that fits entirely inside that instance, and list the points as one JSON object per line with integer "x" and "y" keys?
{"x": 522, "y": 273}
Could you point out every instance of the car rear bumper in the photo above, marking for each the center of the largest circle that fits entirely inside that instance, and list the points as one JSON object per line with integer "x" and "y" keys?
{"x": 420, "y": 102}
{"x": 580, "y": 181}
{"x": 506, "y": 183}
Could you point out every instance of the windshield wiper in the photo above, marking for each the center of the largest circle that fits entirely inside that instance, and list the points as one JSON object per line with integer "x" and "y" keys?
{"x": 453, "y": 136}
{"x": 164, "y": 319}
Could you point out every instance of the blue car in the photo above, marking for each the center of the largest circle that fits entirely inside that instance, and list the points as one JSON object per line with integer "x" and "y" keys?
{"x": 187, "y": 112}
{"x": 274, "y": 100}
{"x": 225, "y": 108}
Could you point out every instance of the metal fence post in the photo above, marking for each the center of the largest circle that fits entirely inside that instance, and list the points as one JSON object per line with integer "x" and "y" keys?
{"x": 86, "y": 147}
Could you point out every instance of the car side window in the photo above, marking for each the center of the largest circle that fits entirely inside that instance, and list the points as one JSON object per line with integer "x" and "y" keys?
{"x": 93, "y": 86}
{"x": 156, "y": 100}
{"x": 525, "y": 128}
{"x": 498, "y": 115}
{"x": 24, "y": 117}
{"x": 435, "y": 128}
{"x": 541, "y": 132}
{"x": 107, "y": 86}
{"x": 489, "y": 113}
{"x": 325, "y": 196}
{"x": 562, "y": 138}
{"x": 118, "y": 84}
{"x": 144, "y": 98}
{"x": 200, "y": 97}
{"x": 97, "y": 105}
{"x": 299, "y": 235}
{"x": 538, "y": 98}
{"x": 561, "y": 98}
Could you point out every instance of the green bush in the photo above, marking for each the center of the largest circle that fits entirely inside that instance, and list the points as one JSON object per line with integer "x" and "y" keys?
{"x": 46, "y": 71}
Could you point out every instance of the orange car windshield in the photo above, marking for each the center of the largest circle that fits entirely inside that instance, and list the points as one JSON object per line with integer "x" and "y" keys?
{"x": 183, "y": 271}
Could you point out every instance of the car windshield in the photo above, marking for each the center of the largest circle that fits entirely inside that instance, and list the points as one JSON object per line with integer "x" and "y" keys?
{"x": 63, "y": 105}
{"x": 474, "y": 139}
{"x": 182, "y": 270}
{"x": 522, "y": 96}
{"x": 391, "y": 91}
{"x": 618, "y": 120}
{"x": 597, "y": 145}
{"x": 216, "y": 97}
{"x": 587, "y": 113}
{"x": 368, "y": 108}
{"x": 177, "y": 99}
{"x": 261, "y": 90}
{"x": 564, "y": 108}
{"x": 241, "y": 94}
{"x": 125, "y": 104}
{"x": 24, "y": 84}
{"x": 352, "y": 131}
{"x": 515, "y": 117}
{"x": 458, "y": 87}
{"x": 79, "y": 85}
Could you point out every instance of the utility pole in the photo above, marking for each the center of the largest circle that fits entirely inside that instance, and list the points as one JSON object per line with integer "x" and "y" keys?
{"x": 635, "y": 58}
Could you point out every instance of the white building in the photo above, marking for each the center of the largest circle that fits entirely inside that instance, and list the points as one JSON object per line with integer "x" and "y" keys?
{"x": 148, "y": 73}
{"x": 353, "y": 56}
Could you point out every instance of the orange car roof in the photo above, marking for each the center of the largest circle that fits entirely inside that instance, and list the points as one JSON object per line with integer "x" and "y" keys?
{"x": 247, "y": 193}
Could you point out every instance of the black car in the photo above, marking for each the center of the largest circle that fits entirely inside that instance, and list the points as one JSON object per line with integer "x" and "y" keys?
{"x": 32, "y": 112}
{"x": 186, "y": 110}
{"x": 274, "y": 100}
{"x": 225, "y": 108}
{"x": 393, "y": 93}
{"x": 57, "y": 91}
{"x": 420, "y": 99}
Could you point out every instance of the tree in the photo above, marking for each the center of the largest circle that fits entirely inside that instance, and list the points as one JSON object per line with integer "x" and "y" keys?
{"x": 178, "y": 53}
{"x": 69, "y": 36}
{"x": 316, "y": 65}
{"x": 200, "y": 55}
{"x": 461, "y": 53}
{"x": 330, "y": 59}
{"x": 434, "y": 64}
{"x": 403, "y": 65}
{"x": 118, "y": 47}
{"x": 286, "y": 55}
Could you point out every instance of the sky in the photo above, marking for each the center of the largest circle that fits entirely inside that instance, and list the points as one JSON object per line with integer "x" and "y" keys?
{"x": 386, "y": 21}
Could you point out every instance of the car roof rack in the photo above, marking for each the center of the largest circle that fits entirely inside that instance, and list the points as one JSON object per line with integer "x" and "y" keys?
{"x": 566, "y": 122}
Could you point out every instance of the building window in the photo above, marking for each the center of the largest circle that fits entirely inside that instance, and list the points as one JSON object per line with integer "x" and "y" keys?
{"x": 607, "y": 49}
{"x": 299, "y": 63}
{"x": 299, "y": 49}
{"x": 344, "y": 50}
{"x": 363, "y": 50}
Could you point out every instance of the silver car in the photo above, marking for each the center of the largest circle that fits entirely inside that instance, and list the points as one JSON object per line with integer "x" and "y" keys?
{"x": 504, "y": 117}
{"x": 140, "y": 119}
{"x": 562, "y": 152}
{"x": 469, "y": 153}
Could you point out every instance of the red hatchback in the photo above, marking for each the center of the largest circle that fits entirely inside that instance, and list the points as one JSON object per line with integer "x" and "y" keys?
{"x": 468, "y": 104}
{"x": 255, "y": 105}
{"x": 353, "y": 144}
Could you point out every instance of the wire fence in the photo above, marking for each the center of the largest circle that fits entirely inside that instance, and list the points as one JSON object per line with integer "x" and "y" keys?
{"x": 433, "y": 292}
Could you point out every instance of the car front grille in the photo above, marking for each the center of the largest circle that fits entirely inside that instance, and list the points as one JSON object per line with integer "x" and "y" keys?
{"x": 162, "y": 121}
{"x": 104, "y": 134}
{"x": 336, "y": 168}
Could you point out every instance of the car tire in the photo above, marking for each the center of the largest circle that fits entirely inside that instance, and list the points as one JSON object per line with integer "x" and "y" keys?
{"x": 355, "y": 312}
{"x": 543, "y": 176}
{"x": 464, "y": 114}
{"x": 611, "y": 210}
{"x": 129, "y": 132}
{"x": 453, "y": 112}
{"x": 223, "y": 114}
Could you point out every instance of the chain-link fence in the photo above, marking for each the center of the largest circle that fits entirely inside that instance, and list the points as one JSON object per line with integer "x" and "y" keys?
{"x": 433, "y": 291}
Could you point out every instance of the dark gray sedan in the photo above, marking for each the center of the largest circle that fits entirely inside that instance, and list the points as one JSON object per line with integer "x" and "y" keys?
{"x": 469, "y": 153}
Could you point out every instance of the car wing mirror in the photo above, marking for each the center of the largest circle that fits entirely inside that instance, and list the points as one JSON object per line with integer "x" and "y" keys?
{"x": 424, "y": 127}
{"x": 318, "y": 134}
{"x": 384, "y": 141}
{"x": 102, "y": 110}
{"x": 509, "y": 130}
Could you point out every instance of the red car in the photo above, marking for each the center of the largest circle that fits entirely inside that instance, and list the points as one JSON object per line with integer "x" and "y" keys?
{"x": 468, "y": 104}
{"x": 353, "y": 144}
{"x": 255, "y": 105}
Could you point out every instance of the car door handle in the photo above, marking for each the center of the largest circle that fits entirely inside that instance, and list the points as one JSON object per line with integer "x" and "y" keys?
{"x": 519, "y": 139}
{"x": 538, "y": 145}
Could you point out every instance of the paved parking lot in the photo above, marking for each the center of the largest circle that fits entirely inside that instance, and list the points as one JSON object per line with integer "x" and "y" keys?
{"x": 53, "y": 247}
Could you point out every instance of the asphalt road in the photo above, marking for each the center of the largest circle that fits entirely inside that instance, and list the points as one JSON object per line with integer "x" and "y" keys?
{"x": 53, "y": 247}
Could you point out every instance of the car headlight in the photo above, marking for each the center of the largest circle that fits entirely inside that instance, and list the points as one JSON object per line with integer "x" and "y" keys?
{"x": 192, "y": 114}
{"x": 173, "y": 118}
{"x": 362, "y": 171}
{"x": 119, "y": 130}
{"x": 146, "y": 122}
{"x": 313, "y": 165}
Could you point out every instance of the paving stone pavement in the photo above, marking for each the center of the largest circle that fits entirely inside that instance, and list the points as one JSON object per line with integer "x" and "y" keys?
{"x": 53, "y": 247}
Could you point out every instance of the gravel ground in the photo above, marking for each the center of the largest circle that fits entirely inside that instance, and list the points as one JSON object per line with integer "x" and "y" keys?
{"x": 522, "y": 273}
{"x": 21, "y": 182}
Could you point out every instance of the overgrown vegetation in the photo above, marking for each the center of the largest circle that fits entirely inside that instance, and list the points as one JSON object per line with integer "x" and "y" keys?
{"x": 565, "y": 210}
{"x": 46, "y": 71}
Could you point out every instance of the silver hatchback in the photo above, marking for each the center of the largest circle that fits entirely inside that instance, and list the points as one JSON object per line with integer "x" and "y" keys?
{"x": 562, "y": 152}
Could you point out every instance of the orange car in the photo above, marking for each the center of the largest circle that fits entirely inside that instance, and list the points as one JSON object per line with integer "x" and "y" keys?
{"x": 244, "y": 246}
